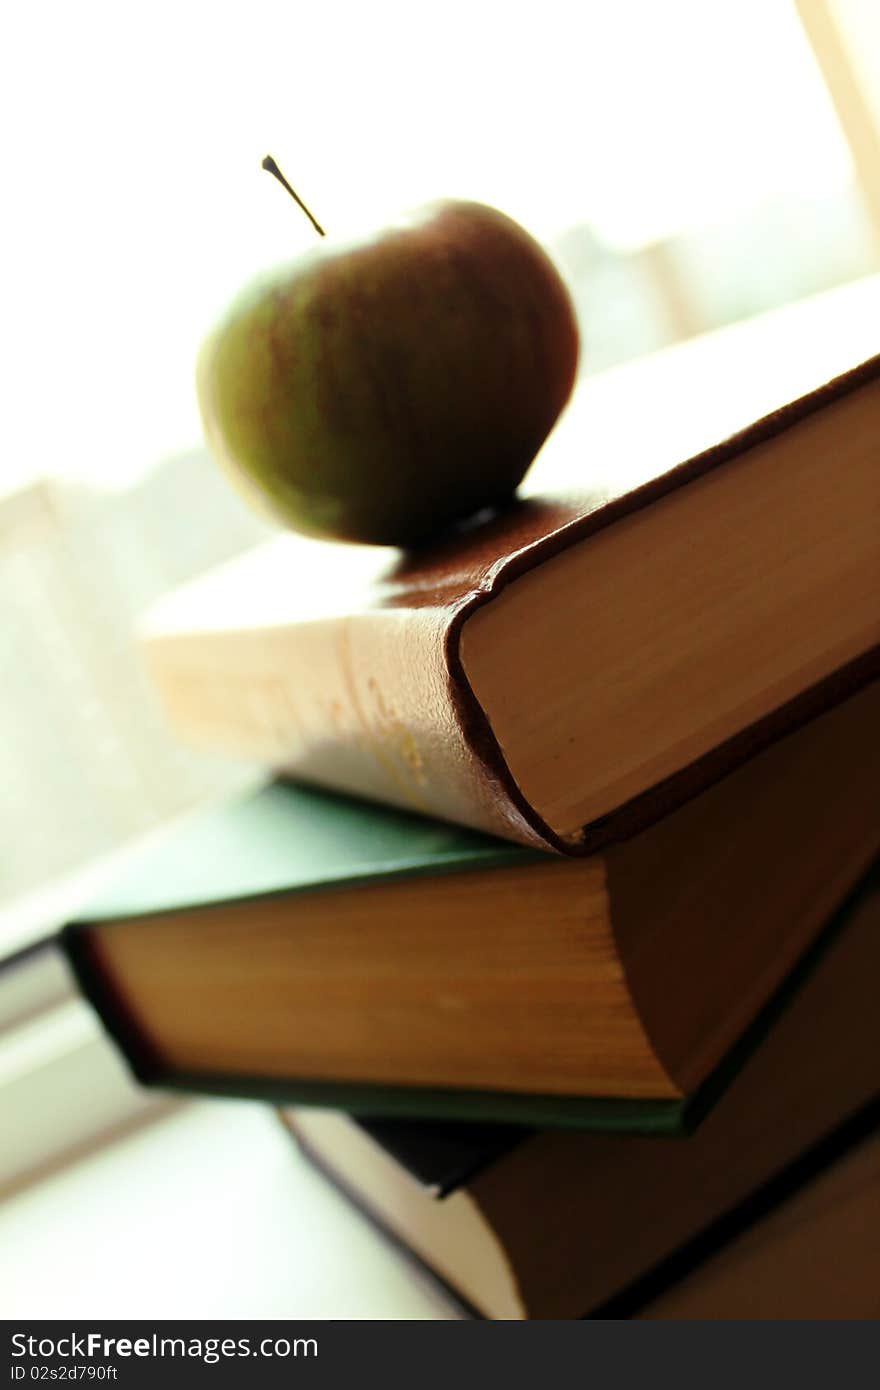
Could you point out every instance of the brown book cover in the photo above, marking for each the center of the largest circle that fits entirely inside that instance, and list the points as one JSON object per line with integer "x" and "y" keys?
{"x": 815, "y": 1256}
{"x": 690, "y": 612}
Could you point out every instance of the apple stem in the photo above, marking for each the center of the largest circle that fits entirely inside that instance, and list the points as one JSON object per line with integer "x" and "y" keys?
{"x": 272, "y": 168}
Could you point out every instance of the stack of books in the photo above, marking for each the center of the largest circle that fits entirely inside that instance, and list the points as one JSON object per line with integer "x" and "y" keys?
{"x": 555, "y": 934}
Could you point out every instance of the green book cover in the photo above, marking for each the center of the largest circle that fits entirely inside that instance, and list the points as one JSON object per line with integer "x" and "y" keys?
{"x": 284, "y": 839}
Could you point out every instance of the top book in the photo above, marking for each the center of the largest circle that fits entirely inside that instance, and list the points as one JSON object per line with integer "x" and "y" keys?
{"x": 693, "y": 568}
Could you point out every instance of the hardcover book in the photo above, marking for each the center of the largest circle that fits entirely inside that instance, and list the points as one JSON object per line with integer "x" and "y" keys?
{"x": 302, "y": 946}
{"x": 693, "y": 567}
{"x": 814, "y": 1257}
{"x": 543, "y": 1224}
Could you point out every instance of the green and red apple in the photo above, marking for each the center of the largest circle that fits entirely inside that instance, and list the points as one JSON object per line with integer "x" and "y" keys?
{"x": 384, "y": 388}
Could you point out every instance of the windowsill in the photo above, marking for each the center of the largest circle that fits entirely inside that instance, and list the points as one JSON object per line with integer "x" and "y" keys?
{"x": 207, "y": 1213}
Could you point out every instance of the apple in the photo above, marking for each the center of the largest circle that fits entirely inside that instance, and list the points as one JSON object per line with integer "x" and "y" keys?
{"x": 384, "y": 388}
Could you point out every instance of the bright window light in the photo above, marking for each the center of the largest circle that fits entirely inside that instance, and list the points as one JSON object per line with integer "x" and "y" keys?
{"x": 135, "y": 202}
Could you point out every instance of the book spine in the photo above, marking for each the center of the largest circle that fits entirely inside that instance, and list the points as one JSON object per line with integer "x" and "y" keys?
{"x": 366, "y": 704}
